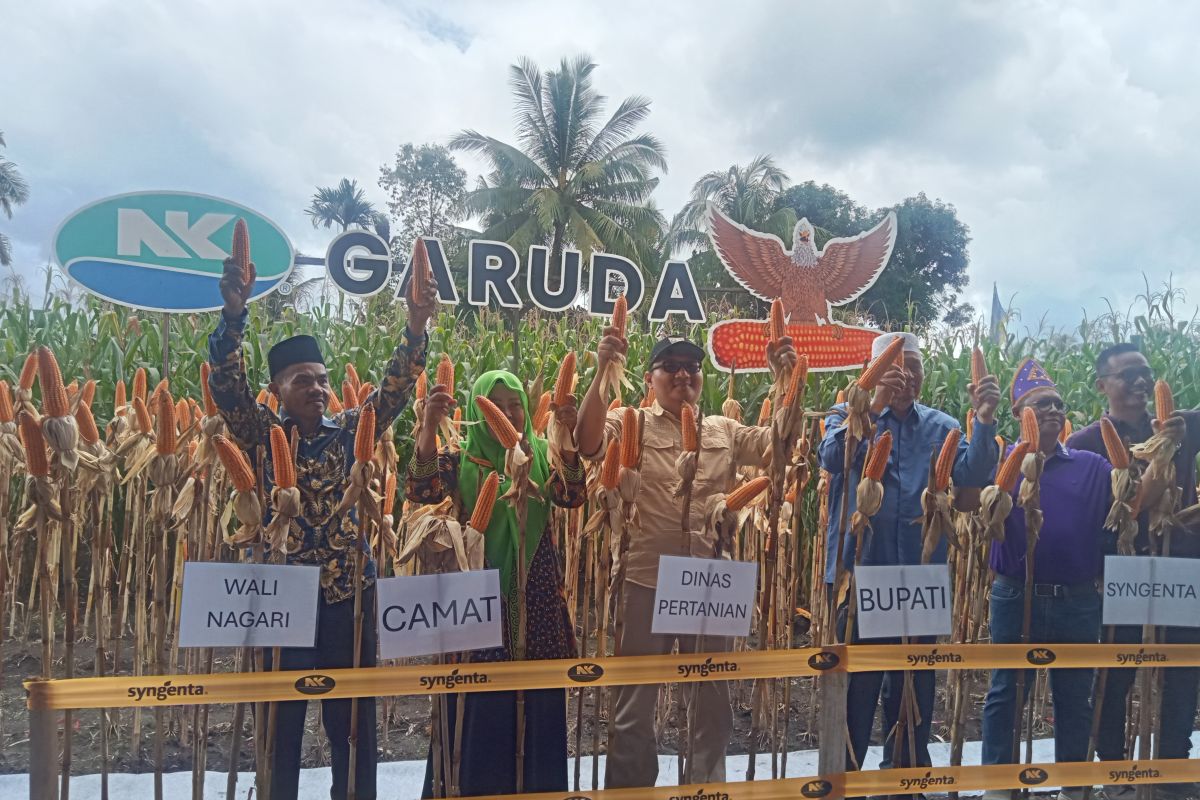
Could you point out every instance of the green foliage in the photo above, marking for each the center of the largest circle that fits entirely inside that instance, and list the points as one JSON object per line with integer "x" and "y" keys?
{"x": 14, "y": 191}
{"x": 344, "y": 205}
{"x": 426, "y": 189}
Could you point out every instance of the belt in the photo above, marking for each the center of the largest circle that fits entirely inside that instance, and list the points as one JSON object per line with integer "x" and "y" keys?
{"x": 1052, "y": 589}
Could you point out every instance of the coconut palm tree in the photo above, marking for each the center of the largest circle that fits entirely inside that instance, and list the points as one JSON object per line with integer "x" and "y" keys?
{"x": 573, "y": 178}
{"x": 345, "y": 205}
{"x": 14, "y": 191}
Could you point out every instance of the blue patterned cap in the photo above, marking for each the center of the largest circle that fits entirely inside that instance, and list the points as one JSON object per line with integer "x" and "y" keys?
{"x": 1031, "y": 377}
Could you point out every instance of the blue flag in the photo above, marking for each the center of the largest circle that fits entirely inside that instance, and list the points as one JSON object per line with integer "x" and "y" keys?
{"x": 998, "y": 315}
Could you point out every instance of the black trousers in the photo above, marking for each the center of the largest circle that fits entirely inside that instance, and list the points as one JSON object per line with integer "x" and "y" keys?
{"x": 334, "y": 650}
{"x": 1178, "y": 699}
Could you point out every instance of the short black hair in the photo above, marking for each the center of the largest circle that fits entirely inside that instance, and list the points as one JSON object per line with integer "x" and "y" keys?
{"x": 1108, "y": 353}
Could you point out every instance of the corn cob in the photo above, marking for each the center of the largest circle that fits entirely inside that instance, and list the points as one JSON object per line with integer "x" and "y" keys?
{"x": 389, "y": 493}
{"x": 87, "y": 424}
{"x": 978, "y": 366}
{"x": 1030, "y": 429}
{"x": 54, "y": 394}
{"x": 840, "y": 398}
{"x": 497, "y": 423}
{"x": 1006, "y": 477}
{"x": 1118, "y": 453}
{"x": 210, "y": 407}
{"x": 778, "y": 328}
{"x": 687, "y": 418}
{"x": 364, "y": 392}
{"x": 281, "y": 459}
{"x": 422, "y": 386}
{"x": 564, "y": 384}
{"x": 1164, "y": 401}
{"x": 197, "y": 411}
{"x": 119, "y": 400}
{"x": 241, "y": 249}
{"x": 335, "y": 405}
{"x": 261, "y": 399}
{"x": 650, "y": 398}
{"x": 877, "y": 461}
{"x": 235, "y": 463}
{"x": 139, "y": 383}
{"x": 541, "y": 417}
{"x": 764, "y": 412}
{"x": 630, "y": 446}
{"x": 458, "y": 414}
{"x": 1067, "y": 430}
{"x": 29, "y": 371}
{"x": 828, "y": 346}
{"x": 162, "y": 386}
{"x": 273, "y": 402}
{"x": 6, "y": 403}
{"x": 422, "y": 272}
{"x": 352, "y": 376}
{"x": 481, "y": 517}
{"x": 742, "y": 496}
{"x": 620, "y": 315}
{"x": 165, "y": 438}
{"x": 37, "y": 464}
{"x": 89, "y": 393}
{"x": 870, "y": 377}
{"x": 445, "y": 372}
{"x": 945, "y": 460}
{"x": 72, "y": 392}
{"x": 349, "y": 395}
{"x": 364, "y": 437}
{"x": 610, "y": 468}
{"x": 799, "y": 377}
{"x": 615, "y": 404}
{"x": 145, "y": 424}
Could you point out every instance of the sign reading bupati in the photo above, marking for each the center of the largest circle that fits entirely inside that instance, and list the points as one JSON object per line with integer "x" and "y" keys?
{"x": 248, "y": 605}
{"x": 448, "y": 612}
{"x": 165, "y": 251}
{"x": 907, "y": 600}
{"x": 1140, "y": 590}
{"x": 704, "y": 596}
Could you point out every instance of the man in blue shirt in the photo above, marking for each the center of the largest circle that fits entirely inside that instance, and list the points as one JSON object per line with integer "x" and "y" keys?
{"x": 894, "y": 537}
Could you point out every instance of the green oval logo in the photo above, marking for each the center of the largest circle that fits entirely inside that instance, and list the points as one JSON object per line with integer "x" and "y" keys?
{"x": 164, "y": 251}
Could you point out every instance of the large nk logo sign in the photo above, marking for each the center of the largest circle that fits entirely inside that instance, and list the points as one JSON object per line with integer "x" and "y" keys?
{"x": 165, "y": 251}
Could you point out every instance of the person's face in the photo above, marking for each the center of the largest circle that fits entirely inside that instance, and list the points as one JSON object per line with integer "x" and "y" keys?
{"x": 676, "y": 380}
{"x": 303, "y": 391}
{"x": 1050, "y": 410}
{"x": 915, "y": 367}
{"x": 509, "y": 402}
{"x": 1126, "y": 381}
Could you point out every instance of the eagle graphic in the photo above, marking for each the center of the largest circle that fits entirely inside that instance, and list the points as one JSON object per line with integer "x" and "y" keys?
{"x": 810, "y": 283}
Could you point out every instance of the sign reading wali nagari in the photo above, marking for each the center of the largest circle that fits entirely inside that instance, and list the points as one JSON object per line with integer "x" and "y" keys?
{"x": 248, "y": 605}
{"x": 164, "y": 251}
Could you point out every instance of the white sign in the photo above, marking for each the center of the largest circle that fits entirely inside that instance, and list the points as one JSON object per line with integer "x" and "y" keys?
{"x": 1141, "y": 590}
{"x": 248, "y": 605}
{"x": 704, "y": 596}
{"x": 906, "y": 600}
{"x": 422, "y": 615}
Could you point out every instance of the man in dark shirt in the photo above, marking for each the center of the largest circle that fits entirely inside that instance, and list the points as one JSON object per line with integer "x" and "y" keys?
{"x": 319, "y": 536}
{"x": 1124, "y": 377}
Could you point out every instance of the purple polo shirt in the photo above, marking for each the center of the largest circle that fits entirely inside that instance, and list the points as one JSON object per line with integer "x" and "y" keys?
{"x": 1076, "y": 496}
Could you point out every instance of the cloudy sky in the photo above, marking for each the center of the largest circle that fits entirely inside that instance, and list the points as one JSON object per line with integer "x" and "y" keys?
{"x": 1064, "y": 132}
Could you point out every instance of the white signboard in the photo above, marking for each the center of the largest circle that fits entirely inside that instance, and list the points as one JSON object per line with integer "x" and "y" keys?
{"x": 905, "y": 600}
{"x": 1141, "y": 590}
{"x": 248, "y": 605}
{"x": 422, "y": 615}
{"x": 704, "y": 596}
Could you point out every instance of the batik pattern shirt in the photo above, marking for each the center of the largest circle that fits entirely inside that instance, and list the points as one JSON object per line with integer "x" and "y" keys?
{"x": 318, "y": 537}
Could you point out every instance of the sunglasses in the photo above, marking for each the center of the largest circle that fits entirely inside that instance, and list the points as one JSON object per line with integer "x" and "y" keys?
{"x": 1131, "y": 375}
{"x": 672, "y": 367}
{"x": 1047, "y": 403}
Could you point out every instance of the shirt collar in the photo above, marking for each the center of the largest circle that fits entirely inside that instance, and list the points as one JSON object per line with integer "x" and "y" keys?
{"x": 286, "y": 419}
{"x": 915, "y": 413}
{"x": 1139, "y": 427}
{"x": 1063, "y": 452}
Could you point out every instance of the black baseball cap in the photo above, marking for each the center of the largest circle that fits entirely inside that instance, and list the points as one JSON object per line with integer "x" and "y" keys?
{"x": 675, "y": 346}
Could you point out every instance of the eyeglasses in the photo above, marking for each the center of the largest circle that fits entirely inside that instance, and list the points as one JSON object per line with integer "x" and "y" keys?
{"x": 1047, "y": 403}
{"x": 1131, "y": 375}
{"x": 672, "y": 367}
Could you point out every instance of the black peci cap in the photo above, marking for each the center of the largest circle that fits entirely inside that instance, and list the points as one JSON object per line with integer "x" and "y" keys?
{"x": 675, "y": 346}
{"x": 296, "y": 350}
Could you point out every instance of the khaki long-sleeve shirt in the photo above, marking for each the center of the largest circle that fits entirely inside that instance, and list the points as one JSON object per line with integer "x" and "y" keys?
{"x": 725, "y": 445}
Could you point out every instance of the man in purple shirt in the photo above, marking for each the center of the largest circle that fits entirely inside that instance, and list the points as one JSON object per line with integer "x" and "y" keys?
{"x": 1075, "y": 498}
{"x": 1124, "y": 377}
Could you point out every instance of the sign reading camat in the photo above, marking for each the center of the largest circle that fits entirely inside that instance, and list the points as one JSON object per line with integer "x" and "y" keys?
{"x": 248, "y": 605}
{"x": 1140, "y": 590}
{"x": 451, "y": 612}
{"x": 907, "y": 600}
{"x": 704, "y": 596}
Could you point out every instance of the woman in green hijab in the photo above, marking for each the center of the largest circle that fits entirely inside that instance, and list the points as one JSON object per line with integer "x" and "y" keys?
{"x": 488, "y": 763}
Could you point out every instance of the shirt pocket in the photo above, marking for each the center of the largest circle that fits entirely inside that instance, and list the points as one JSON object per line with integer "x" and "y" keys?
{"x": 715, "y": 473}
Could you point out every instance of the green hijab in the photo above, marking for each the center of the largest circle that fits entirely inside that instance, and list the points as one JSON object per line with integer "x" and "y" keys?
{"x": 500, "y": 539}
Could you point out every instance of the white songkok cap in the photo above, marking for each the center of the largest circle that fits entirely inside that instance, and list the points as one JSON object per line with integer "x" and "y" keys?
{"x": 884, "y": 339}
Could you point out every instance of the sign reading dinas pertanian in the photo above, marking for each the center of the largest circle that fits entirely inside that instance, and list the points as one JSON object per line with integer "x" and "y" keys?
{"x": 907, "y": 600}
{"x": 165, "y": 251}
{"x": 1142, "y": 590}
{"x": 248, "y": 605}
{"x": 704, "y": 596}
{"x": 448, "y": 612}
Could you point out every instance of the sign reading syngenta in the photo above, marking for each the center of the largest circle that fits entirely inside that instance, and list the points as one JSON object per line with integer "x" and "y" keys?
{"x": 164, "y": 251}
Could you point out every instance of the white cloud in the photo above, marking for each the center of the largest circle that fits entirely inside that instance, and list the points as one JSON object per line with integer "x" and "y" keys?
{"x": 1062, "y": 132}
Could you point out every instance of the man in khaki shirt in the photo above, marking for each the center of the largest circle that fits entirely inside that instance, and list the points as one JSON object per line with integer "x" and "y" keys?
{"x": 675, "y": 374}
